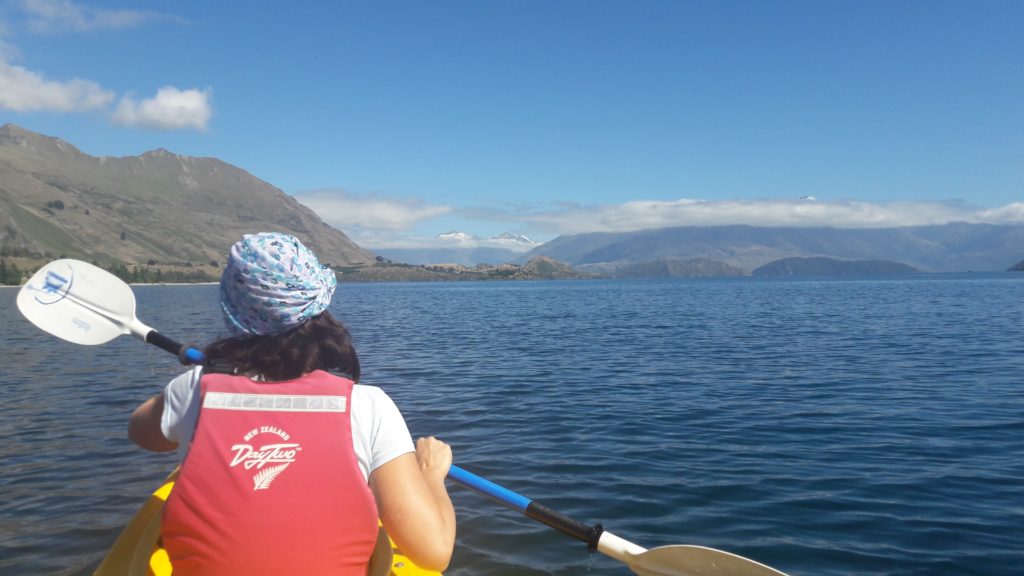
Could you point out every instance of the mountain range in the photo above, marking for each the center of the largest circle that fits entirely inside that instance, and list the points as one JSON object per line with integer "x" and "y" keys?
{"x": 167, "y": 209}
{"x": 956, "y": 247}
{"x": 159, "y": 207}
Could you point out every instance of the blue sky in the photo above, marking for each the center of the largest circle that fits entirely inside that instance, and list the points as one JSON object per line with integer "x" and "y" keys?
{"x": 397, "y": 121}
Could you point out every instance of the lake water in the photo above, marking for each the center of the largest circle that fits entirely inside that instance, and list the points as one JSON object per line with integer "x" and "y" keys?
{"x": 823, "y": 427}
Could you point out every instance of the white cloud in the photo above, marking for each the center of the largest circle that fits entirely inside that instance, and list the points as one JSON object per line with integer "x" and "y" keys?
{"x": 61, "y": 15}
{"x": 380, "y": 222}
{"x": 170, "y": 109}
{"x": 369, "y": 212}
{"x": 22, "y": 90}
{"x": 378, "y": 239}
{"x": 1009, "y": 214}
{"x": 645, "y": 214}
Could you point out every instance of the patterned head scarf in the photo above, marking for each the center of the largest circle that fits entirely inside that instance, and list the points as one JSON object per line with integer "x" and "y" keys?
{"x": 272, "y": 283}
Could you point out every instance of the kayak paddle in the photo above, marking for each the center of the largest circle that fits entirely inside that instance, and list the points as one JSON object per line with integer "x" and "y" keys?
{"x": 85, "y": 304}
{"x": 677, "y": 560}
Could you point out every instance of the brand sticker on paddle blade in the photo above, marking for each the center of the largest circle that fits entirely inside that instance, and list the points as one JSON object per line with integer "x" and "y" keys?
{"x": 53, "y": 287}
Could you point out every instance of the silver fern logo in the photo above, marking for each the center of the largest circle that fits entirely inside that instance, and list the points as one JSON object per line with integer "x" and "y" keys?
{"x": 268, "y": 459}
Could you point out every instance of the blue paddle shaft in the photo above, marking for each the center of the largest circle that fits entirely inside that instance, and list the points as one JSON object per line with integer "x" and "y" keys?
{"x": 489, "y": 489}
{"x": 529, "y": 508}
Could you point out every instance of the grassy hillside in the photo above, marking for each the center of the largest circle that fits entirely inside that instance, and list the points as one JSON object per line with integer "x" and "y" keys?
{"x": 156, "y": 209}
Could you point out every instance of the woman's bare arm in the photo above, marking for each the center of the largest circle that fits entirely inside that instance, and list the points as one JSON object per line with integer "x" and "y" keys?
{"x": 414, "y": 505}
{"x": 144, "y": 426}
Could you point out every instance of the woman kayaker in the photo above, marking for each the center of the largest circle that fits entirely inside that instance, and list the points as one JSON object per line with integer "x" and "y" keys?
{"x": 287, "y": 463}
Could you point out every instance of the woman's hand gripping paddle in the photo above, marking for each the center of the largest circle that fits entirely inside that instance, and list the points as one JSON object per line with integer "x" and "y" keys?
{"x": 84, "y": 304}
{"x": 675, "y": 560}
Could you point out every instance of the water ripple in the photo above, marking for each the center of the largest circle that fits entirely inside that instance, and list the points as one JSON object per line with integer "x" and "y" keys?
{"x": 822, "y": 427}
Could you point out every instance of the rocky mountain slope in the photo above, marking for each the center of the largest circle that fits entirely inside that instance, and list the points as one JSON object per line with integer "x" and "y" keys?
{"x": 159, "y": 207}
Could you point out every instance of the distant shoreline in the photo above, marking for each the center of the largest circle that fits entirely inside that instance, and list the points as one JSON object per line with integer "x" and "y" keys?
{"x": 456, "y": 278}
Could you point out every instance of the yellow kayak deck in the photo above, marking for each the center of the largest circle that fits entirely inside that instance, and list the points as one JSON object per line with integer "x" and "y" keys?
{"x": 137, "y": 551}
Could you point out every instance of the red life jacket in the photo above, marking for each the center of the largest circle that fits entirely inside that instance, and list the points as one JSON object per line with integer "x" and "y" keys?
{"x": 270, "y": 484}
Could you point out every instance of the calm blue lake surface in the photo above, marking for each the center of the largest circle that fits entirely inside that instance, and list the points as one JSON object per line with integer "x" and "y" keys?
{"x": 823, "y": 427}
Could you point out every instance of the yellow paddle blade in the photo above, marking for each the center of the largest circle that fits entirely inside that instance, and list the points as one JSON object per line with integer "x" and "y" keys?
{"x": 684, "y": 560}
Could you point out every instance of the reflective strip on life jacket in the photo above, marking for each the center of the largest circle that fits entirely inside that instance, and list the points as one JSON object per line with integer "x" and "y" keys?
{"x": 273, "y": 402}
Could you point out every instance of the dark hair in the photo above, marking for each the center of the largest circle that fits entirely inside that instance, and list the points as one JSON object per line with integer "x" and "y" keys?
{"x": 321, "y": 343}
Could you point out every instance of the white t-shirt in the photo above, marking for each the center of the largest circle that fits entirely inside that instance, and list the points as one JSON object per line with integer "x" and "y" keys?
{"x": 379, "y": 433}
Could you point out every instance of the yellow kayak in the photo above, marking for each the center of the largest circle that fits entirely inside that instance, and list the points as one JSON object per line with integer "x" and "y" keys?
{"x": 137, "y": 552}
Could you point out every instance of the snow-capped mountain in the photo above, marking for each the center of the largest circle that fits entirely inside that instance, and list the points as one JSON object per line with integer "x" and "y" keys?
{"x": 508, "y": 240}
{"x": 516, "y": 238}
{"x": 463, "y": 248}
{"x": 457, "y": 237}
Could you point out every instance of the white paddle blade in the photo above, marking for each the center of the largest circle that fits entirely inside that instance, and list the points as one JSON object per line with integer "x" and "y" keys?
{"x": 78, "y": 302}
{"x": 695, "y": 560}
